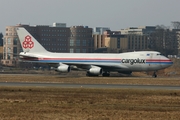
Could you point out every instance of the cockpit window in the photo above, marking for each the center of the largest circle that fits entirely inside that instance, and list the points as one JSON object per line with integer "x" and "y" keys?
{"x": 159, "y": 54}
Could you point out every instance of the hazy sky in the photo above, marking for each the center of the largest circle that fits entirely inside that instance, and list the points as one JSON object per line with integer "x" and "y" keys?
{"x": 116, "y": 14}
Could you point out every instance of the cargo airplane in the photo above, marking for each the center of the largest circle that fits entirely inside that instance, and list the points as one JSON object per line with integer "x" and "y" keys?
{"x": 95, "y": 63}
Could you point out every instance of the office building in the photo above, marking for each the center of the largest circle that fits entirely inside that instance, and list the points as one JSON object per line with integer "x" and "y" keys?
{"x": 100, "y": 30}
{"x": 138, "y": 30}
{"x": 81, "y": 40}
{"x": 115, "y": 42}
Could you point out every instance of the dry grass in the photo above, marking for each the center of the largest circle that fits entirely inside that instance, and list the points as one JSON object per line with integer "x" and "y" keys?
{"x": 87, "y": 104}
{"x": 91, "y": 80}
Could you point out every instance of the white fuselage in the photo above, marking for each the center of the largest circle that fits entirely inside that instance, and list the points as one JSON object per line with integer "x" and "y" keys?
{"x": 130, "y": 61}
{"x": 95, "y": 64}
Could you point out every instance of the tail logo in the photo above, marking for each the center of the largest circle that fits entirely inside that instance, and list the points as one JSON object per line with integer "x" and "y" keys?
{"x": 28, "y": 43}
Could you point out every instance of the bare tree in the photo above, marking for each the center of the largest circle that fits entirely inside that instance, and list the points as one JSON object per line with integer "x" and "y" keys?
{"x": 176, "y": 24}
{"x": 164, "y": 41}
{"x": 161, "y": 27}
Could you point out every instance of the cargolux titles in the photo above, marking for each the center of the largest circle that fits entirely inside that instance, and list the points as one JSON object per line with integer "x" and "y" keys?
{"x": 134, "y": 61}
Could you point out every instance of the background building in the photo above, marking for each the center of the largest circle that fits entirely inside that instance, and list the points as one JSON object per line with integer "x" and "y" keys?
{"x": 178, "y": 41}
{"x": 115, "y": 42}
{"x": 164, "y": 41}
{"x": 81, "y": 40}
{"x": 1, "y": 52}
{"x": 1, "y": 46}
{"x": 56, "y": 38}
{"x": 99, "y": 41}
{"x": 156, "y": 38}
{"x": 144, "y": 30}
{"x": 11, "y": 46}
{"x": 1, "y": 39}
{"x": 137, "y": 42}
{"x": 100, "y": 30}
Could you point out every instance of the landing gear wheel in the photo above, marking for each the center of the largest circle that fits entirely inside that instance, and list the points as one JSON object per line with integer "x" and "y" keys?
{"x": 105, "y": 74}
{"x": 91, "y": 75}
{"x": 87, "y": 74}
{"x": 154, "y": 75}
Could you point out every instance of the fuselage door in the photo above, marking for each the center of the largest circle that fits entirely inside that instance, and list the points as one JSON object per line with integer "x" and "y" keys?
{"x": 153, "y": 61}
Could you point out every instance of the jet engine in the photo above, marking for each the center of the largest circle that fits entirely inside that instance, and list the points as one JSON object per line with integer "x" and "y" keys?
{"x": 63, "y": 68}
{"x": 95, "y": 71}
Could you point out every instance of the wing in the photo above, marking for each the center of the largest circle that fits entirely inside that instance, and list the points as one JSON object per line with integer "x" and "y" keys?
{"x": 105, "y": 67}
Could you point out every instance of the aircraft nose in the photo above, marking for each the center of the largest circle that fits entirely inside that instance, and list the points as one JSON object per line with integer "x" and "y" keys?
{"x": 167, "y": 63}
{"x": 170, "y": 62}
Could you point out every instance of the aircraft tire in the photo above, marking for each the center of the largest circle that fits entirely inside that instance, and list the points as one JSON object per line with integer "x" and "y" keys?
{"x": 90, "y": 75}
{"x": 155, "y": 76}
{"x": 105, "y": 74}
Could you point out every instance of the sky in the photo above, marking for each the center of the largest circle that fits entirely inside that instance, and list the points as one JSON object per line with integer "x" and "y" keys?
{"x": 115, "y": 14}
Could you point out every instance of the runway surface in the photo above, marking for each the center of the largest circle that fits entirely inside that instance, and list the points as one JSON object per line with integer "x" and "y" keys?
{"x": 97, "y": 86}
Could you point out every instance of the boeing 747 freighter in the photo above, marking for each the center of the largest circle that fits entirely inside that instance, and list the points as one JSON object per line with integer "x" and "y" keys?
{"x": 95, "y": 63}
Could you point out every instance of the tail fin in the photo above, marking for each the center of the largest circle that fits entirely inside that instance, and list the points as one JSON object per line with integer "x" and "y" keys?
{"x": 28, "y": 42}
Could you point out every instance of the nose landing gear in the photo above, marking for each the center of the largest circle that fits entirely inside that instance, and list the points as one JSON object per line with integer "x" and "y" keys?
{"x": 154, "y": 74}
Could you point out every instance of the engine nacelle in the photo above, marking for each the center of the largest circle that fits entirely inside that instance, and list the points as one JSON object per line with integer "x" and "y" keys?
{"x": 63, "y": 68}
{"x": 95, "y": 71}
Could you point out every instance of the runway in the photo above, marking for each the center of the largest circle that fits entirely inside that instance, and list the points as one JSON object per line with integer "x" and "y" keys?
{"x": 97, "y": 86}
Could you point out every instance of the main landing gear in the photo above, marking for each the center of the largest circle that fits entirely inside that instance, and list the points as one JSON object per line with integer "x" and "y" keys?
{"x": 106, "y": 74}
{"x": 154, "y": 74}
{"x": 91, "y": 75}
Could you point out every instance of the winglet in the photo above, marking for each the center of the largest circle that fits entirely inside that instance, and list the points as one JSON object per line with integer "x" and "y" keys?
{"x": 28, "y": 42}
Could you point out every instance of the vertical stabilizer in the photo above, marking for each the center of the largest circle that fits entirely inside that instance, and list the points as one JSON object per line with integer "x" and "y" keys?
{"x": 28, "y": 42}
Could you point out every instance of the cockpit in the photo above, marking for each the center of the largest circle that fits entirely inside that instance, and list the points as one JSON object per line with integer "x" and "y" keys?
{"x": 159, "y": 54}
